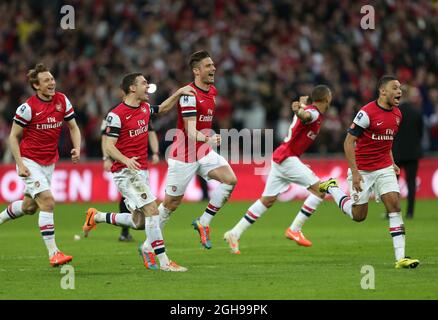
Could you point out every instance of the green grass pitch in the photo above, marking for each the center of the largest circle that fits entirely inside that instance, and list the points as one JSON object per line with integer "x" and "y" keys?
{"x": 270, "y": 266}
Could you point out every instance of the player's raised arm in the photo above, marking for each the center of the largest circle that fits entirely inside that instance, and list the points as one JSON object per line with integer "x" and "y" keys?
{"x": 75, "y": 135}
{"x": 14, "y": 146}
{"x": 170, "y": 102}
{"x": 298, "y": 109}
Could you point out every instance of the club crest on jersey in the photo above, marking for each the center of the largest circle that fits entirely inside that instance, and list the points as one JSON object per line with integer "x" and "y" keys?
{"x": 397, "y": 119}
{"x": 173, "y": 188}
{"x": 144, "y": 196}
{"x": 210, "y": 112}
{"x": 143, "y": 109}
{"x": 37, "y": 184}
{"x": 58, "y": 107}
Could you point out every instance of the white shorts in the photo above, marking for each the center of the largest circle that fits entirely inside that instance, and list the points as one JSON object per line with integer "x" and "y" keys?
{"x": 291, "y": 170}
{"x": 380, "y": 182}
{"x": 180, "y": 173}
{"x": 134, "y": 187}
{"x": 40, "y": 177}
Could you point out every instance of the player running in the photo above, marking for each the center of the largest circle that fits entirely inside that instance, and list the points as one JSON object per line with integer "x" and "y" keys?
{"x": 38, "y": 124}
{"x": 127, "y": 145}
{"x": 125, "y": 236}
{"x": 368, "y": 148}
{"x": 287, "y": 168}
{"x": 191, "y": 151}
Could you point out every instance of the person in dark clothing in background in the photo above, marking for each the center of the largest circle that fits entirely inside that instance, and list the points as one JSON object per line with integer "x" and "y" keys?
{"x": 407, "y": 147}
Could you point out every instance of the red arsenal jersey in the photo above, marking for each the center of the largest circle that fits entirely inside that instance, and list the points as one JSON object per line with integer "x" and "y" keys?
{"x": 42, "y": 122}
{"x": 201, "y": 106}
{"x": 130, "y": 125}
{"x": 301, "y": 136}
{"x": 377, "y": 129}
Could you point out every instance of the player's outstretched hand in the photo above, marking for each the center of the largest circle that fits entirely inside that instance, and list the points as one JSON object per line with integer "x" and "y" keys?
{"x": 357, "y": 179}
{"x": 396, "y": 169}
{"x": 132, "y": 163}
{"x": 75, "y": 155}
{"x": 23, "y": 171}
{"x": 186, "y": 91}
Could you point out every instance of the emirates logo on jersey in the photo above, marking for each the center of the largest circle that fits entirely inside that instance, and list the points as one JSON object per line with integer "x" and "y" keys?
{"x": 58, "y": 107}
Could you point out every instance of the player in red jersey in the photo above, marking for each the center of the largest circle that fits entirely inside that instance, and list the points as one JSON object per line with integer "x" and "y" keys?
{"x": 191, "y": 152}
{"x": 368, "y": 148}
{"x": 125, "y": 236}
{"x": 287, "y": 168}
{"x": 38, "y": 123}
{"x": 127, "y": 144}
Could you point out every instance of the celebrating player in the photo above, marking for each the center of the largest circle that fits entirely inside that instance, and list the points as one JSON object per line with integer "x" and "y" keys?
{"x": 125, "y": 236}
{"x": 368, "y": 151}
{"x": 127, "y": 145}
{"x": 191, "y": 151}
{"x": 38, "y": 123}
{"x": 287, "y": 168}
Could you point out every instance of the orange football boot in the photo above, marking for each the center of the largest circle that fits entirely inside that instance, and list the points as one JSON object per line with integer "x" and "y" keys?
{"x": 59, "y": 259}
{"x": 89, "y": 224}
{"x": 298, "y": 237}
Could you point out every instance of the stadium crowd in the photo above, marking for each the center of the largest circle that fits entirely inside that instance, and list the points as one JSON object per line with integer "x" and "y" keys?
{"x": 266, "y": 53}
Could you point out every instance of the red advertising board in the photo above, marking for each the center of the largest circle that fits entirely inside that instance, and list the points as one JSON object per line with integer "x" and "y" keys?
{"x": 88, "y": 182}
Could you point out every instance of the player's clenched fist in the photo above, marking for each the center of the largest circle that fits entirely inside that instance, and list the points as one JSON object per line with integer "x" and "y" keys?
{"x": 214, "y": 140}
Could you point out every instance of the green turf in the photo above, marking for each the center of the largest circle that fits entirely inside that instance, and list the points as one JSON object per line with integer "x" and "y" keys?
{"x": 270, "y": 266}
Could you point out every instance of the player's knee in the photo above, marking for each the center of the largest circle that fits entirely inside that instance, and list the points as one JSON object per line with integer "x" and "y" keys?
{"x": 172, "y": 204}
{"x": 268, "y": 201}
{"x": 29, "y": 209}
{"x": 359, "y": 218}
{"x": 47, "y": 203}
{"x": 231, "y": 180}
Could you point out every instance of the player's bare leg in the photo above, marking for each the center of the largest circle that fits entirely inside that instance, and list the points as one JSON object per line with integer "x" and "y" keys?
{"x": 254, "y": 212}
{"x": 308, "y": 208}
{"x": 46, "y": 203}
{"x": 344, "y": 202}
{"x": 18, "y": 209}
{"x": 220, "y": 195}
{"x": 169, "y": 205}
{"x": 391, "y": 200}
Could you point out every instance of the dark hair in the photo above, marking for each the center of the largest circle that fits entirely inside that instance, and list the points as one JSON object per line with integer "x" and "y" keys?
{"x": 129, "y": 80}
{"x": 320, "y": 92}
{"x": 384, "y": 80}
{"x": 197, "y": 57}
{"x": 32, "y": 75}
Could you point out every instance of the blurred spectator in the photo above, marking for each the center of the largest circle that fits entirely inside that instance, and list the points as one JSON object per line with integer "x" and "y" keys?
{"x": 407, "y": 148}
{"x": 266, "y": 52}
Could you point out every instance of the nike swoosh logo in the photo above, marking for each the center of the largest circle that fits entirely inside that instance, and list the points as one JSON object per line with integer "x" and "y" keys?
{"x": 201, "y": 101}
{"x": 88, "y": 220}
{"x": 127, "y": 117}
{"x": 38, "y": 113}
{"x": 379, "y": 123}
{"x": 295, "y": 238}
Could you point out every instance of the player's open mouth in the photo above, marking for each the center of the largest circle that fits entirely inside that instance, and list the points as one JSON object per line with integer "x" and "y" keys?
{"x": 397, "y": 99}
